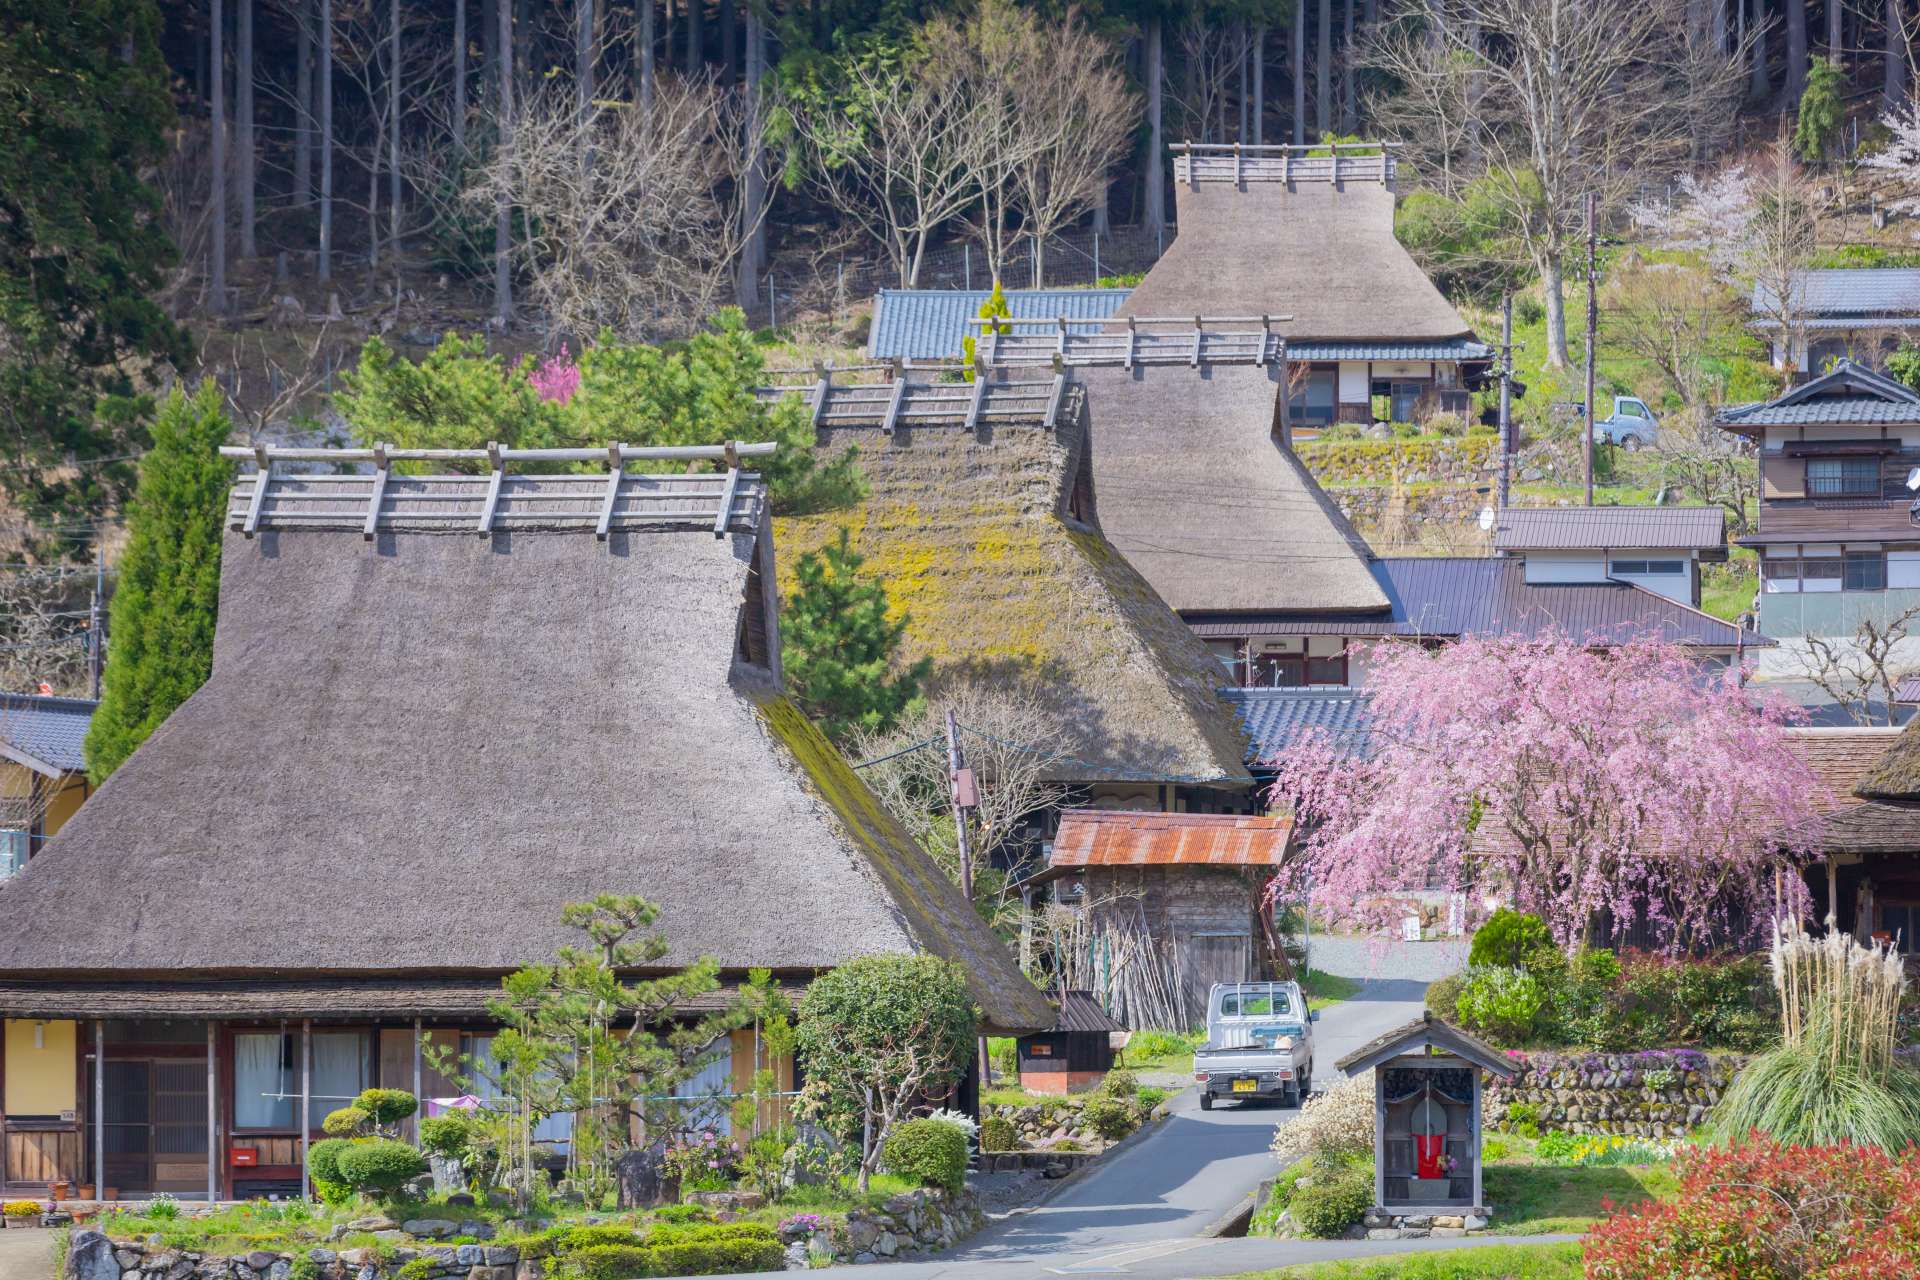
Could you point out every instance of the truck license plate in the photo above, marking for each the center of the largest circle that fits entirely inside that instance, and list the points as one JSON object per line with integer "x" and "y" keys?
{"x": 1246, "y": 1086}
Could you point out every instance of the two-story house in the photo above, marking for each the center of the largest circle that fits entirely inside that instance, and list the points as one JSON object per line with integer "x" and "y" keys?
{"x": 1841, "y": 313}
{"x": 1839, "y": 460}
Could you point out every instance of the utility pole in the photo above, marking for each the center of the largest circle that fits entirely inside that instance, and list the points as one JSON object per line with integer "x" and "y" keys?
{"x": 95, "y": 650}
{"x": 1593, "y": 326}
{"x": 1506, "y": 400}
{"x": 965, "y": 795}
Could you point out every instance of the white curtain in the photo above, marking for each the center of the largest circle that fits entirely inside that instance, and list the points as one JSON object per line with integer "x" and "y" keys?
{"x": 555, "y": 1129}
{"x": 260, "y": 1068}
{"x": 339, "y": 1072}
{"x": 712, "y": 1090}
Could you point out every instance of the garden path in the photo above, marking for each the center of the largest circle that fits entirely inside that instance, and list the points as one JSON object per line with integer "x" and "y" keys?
{"x": 26, "y": 1255}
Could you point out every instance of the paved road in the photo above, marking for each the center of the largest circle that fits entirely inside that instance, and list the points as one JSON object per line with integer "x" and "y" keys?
{"x": 1141, "y": 1211}
{"x": 26, "y": 1255}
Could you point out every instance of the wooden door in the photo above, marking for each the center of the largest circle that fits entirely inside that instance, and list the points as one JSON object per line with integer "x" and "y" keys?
{"x": 156, "y": 1125}
{"x": 1211, "y": 958}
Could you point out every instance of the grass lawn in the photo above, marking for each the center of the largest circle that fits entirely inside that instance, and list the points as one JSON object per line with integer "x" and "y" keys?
{"x": 1535, "y": 1199}
{"x": 1324, "y": 989}
{"x": 1493, "y": 1262}
{"x": 1726, "y": 590}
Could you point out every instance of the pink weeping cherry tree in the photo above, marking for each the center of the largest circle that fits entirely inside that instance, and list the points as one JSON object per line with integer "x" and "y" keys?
{"x": 1563, "y": 778}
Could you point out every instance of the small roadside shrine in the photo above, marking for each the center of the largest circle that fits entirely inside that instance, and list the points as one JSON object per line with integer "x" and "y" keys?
{"x": 1426, "y": 1117}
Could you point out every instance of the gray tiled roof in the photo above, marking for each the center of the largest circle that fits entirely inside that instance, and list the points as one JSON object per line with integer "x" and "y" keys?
{"x": 1446, "y": 596}
{"x": 51, "y": 730}
{"x": 1276, "y": 719}
{"x": 1601, "y": 528}
{"x": 1849, "y": 409}
{"x": 1446, "y": 349}
{"x": 929, "y": 324}
{"x": 1855, "y": 290}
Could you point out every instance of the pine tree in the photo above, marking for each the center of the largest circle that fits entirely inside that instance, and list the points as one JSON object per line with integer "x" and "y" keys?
{"x": 84, "y": 114}
{"x": 163, "y": 608}
{"x": 837, "y": 645}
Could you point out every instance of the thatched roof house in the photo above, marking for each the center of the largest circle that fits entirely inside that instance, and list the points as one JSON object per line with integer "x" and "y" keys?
{"x": 984, "y": 537}
{"x": 415, "y": 750}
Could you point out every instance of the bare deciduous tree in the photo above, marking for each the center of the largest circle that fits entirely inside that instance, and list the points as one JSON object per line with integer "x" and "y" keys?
{"x": 1577, "y": 98}
{"x": 643, "y": 240}
{"x": 1709, "y": 465}
{"x": 1012, "y": 746}
{"x": 1675, "y": 317}
{"x": 1860, "y": 673}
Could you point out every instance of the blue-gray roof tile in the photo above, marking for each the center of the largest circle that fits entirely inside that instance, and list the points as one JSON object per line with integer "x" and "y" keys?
{"x": 1444, "y": 349}
{"x": 1864, "y": 291}
{"x": 929, "y": 324}
{"x": 51, "y": 730}
{"x": 1277, "y": 719}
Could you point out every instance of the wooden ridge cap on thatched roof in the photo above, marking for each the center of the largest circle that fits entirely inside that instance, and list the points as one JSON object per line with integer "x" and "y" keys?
{"x": 969, "y": 531}
{"x": 414, "y": 752}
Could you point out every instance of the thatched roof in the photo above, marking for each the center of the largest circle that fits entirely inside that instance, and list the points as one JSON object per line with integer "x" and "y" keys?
{"x": 1192, "y": 485}
{"x": 1895, "y": 775}
{"x": 969, "y": 530}
{"x": 1321, "y": 252}
{"x": 415, "y": 750}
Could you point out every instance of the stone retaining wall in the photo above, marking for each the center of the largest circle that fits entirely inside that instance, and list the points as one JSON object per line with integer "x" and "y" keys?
{"x": 906, "y": 1226}
{"x": 1422, "y": 460}
{"x": 1661, "y": 1093}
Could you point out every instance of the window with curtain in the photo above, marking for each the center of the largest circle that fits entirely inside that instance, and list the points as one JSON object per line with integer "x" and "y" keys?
{"x": 263, "y": 1069}
{"x": 1843, "y": 477}
{"x": 339, "y": 1072}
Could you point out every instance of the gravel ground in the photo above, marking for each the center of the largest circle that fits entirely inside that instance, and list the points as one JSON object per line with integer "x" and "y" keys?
{"x": 1001, "y": 1193}
{"x": 1354, "y": 956}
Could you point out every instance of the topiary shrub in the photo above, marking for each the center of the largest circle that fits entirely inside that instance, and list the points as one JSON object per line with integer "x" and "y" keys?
{"x": 932, "y": 1152}
{"x": 997, "y": 1134}
{"x": 1109, "y": 1116}
{"x": 347, "y": 1122}
{"x": 446, "y": 1136}
{"x": 1336, "y": 1195}
{"x": 387, "y": 1107}
{"x": 379, "y": 1167}
{"x": 323, "y": 1163}
{"x": 1506, "y": 939}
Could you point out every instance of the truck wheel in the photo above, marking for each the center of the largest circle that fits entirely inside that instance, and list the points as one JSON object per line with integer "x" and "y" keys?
{"x": 1206, "y": 1101}
{"x": 1630, "y": 443}
{"x": 1306, "y": 1081}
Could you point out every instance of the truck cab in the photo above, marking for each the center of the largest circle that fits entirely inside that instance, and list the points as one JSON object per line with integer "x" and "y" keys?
{"x": 1259, "y": 1044}
{"x": 1630, "y": 425}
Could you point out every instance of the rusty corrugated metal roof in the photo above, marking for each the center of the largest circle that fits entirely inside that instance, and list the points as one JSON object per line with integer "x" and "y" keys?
{"x": 1604, "y": 528}
{"x": 1109, "y": 838}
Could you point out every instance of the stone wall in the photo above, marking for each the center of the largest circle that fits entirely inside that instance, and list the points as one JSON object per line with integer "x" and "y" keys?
{"x": 1661, "y": 1093}
{"x": 906, "y": 1226}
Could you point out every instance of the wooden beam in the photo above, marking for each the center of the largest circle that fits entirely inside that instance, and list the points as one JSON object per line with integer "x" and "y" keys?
{"x": 1053, "y": 400}
{"x": 380, "y": 473}
{"x": 306, "y": 1107}
{"x": 820, "y": 389}
{"x": 99, "y": 1110}
{"x": 614, "y": 475}
{"x": 893, "y": 405}
{"x": 1194, "y": 360}
{"x": 251, "y": 525}
{"x": 979, "y": 398}
{"x": 721, "y": 521}
{"x": 420, "y": 1102}
{"x": 492, "y": 488}
{"x": 213, "y": 1114}
{"x": 1266, "y": 338}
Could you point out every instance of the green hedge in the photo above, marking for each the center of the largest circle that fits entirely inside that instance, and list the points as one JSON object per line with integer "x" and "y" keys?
{"x": 695, "y": 1249}
{"x": 1335, "y": 1196}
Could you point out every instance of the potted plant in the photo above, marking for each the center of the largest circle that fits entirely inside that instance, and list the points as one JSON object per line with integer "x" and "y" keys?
{"x": 22, "y": 1213}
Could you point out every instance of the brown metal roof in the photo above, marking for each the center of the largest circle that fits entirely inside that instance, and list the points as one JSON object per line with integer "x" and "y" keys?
{"x": 1602, "y": 528}
{"x": 1108, "y": 838}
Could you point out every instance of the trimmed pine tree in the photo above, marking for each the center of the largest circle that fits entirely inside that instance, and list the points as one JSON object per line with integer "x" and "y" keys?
{"x": 837, "y": 645}
{"x": 168, "y": 588}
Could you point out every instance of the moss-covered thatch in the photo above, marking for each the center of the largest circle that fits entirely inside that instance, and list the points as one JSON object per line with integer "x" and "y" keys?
{"x": 967, "y": 529}
{"x": 1896, "y": 775}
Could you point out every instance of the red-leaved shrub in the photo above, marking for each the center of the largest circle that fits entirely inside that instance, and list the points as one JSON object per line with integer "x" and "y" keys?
{"x": 1763, "y": 1211}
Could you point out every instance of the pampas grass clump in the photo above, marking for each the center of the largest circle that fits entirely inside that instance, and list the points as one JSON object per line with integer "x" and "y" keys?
{"x": 1835, "y": 1076}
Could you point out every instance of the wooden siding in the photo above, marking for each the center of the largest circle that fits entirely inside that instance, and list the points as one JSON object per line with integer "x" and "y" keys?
{"x": 1786, "y": 508}
{"x": 1209, "y": 915}
{"x": 37, "y": 1157}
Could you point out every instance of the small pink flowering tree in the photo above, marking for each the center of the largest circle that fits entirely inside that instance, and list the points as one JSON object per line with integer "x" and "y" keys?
{"x": 556, "y": 378}
{"x": 1566, "y": 779}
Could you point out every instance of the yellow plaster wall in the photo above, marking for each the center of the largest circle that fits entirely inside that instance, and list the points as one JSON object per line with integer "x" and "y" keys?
{"x": 66, "y": 803}
{"x": 41, "y": 1082}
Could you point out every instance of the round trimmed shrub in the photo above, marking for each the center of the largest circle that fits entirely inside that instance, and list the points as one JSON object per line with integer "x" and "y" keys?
{"x": 387, "y": 1106}
{"x": 997, "y": 1134}
{"x": 1502, "y": 1002}
{"x": 323, "y": 1161}
{"x": 931, "y": 1152}
{"x": 1120, "y": 1083}
{"x": 446, "y": 1136}
{"x": 379, "y": 1167}
{"x": 1335, "y": 1198}
{"x": 347, "y": 1122}
{"x": 1109, "y": 1116}
{"x": 1507, "y": 937}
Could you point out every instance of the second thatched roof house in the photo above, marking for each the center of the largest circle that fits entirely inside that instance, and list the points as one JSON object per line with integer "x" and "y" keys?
{"x": 441, "y": 709}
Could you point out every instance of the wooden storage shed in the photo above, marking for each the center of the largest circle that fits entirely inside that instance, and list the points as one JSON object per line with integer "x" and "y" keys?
{"x": 1075, "y": 1053}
